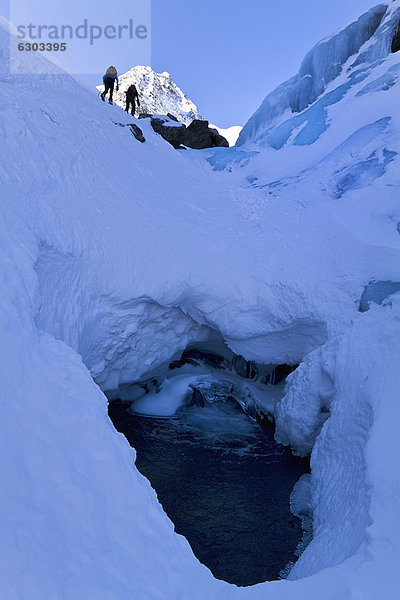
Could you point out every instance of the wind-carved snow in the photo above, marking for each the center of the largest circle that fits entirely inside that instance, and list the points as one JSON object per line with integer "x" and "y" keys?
{"x": 354, "y": 164}
{"x": 383, "y": 83}
{"x": 345, "y": 378}
{"x": 111, "y": 284}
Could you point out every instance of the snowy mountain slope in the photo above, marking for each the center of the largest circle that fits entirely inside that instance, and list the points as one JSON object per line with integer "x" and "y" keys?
{"x": 322, "y": 65}
{"x": 113, "y": 282}
{"x": 343, "y": 148}
{"x": 158, "y": 94}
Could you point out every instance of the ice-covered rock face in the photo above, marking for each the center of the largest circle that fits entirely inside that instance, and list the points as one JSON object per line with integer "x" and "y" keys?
{"x": 158, "y": 94}
{"x": 357, "y": 46}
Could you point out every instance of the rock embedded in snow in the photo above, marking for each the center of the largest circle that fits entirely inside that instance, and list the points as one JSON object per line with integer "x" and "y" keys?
{"x": 136, "y": 131}
{"x": 169, "y": 129}
{"x": 198, "y": 135}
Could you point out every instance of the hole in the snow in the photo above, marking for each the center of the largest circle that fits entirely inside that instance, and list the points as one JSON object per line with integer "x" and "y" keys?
{"x": 220, "y": 476}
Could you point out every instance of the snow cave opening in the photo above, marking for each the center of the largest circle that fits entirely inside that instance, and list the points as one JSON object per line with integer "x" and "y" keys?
{"x": 204, "y": 438}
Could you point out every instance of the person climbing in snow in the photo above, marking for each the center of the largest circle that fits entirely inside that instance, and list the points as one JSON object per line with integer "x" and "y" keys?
{"x": 109, "y": 79}
{"x": 131, "y": 97}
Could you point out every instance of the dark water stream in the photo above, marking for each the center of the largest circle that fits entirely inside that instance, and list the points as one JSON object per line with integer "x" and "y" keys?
{"x": 224, "y": 483}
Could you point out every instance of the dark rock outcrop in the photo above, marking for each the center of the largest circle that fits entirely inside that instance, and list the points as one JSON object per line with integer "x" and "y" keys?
{"x": 396, "y": 40}
{"x": 175, "y": 135}
{"x": 137, "y": 132}
{"x": 198, "y": 135}
{"x": 172, "y": 117}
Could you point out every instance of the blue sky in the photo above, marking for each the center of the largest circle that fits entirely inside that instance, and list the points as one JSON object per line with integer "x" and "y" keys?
{"x": 226, "y": 55}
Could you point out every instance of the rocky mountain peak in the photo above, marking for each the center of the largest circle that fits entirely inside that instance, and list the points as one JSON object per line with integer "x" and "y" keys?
{"x": 158, "y": 94}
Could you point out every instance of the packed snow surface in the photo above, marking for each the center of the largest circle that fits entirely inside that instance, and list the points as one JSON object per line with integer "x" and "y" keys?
{"x": 118, "y": 255}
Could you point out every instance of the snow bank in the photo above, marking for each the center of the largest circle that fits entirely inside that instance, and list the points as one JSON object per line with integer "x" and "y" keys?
{"x": 356, "y": 378}
{"x": 170, "y": 397}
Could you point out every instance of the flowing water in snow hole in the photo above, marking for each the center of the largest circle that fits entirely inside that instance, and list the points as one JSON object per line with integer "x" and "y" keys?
{"x": 224, "y": 483}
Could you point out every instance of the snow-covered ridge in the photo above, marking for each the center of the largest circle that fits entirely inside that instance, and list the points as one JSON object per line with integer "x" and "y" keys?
{"x": 158, "y": 94}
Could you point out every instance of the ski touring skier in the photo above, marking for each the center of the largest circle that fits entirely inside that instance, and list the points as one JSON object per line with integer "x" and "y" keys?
{"x": 109, "y": 79}
{"x": 131, "y": 97}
